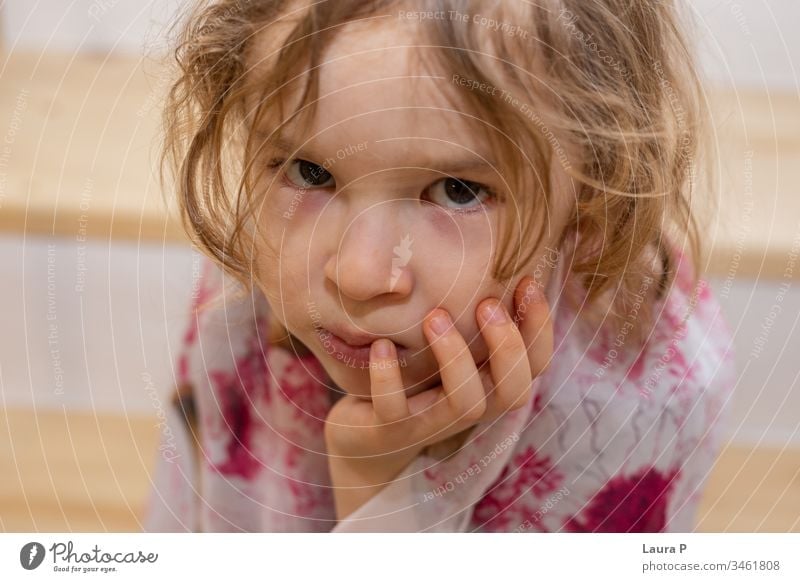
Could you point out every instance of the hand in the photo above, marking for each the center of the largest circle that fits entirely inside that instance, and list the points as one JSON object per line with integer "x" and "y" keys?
{"x": 371, "y": 442}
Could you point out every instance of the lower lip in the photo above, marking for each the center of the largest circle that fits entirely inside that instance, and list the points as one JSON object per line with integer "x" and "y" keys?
{"x": 352, "y": 356}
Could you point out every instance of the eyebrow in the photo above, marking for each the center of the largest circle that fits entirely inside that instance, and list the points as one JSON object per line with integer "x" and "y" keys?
{"x": 446, "y": 166}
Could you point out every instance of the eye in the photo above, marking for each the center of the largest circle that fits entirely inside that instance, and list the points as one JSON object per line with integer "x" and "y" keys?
{"x": 304, "y": 174}
{"x": 459, "y": 194}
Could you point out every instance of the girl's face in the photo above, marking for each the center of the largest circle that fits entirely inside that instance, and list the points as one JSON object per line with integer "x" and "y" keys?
{"x": 387, "y": 209}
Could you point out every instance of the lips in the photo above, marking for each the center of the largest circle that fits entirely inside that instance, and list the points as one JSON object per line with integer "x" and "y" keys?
{"x": 351, "y": 348}
{"x": 356, "y": 339}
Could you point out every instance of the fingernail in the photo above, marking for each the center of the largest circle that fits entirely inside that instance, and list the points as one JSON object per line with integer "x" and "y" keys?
{"x": 383, "y": 348}
{"x": 440, "y": 323}
{"x": 494, "y": 313}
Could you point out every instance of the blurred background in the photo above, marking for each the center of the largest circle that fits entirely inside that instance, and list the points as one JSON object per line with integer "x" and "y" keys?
{"x": 97, "y": 278}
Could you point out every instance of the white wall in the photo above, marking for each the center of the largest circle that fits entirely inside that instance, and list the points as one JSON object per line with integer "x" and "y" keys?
{"x": 743, "y": 42}
{"x": 85, "y": 324}
{"x": 750, "y": 43}
{"x": 86, "y": 25}
{"x": 88, "y": 349}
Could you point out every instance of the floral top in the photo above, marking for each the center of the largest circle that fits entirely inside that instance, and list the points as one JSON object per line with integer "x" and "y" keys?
{"x": 614, "y": 440}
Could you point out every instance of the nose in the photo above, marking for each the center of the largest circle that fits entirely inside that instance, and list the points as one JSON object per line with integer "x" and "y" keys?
{"x": 373, "y": 258}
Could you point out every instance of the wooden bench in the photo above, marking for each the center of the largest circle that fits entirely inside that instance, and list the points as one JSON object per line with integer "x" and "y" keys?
{"x": 83, "y": 160}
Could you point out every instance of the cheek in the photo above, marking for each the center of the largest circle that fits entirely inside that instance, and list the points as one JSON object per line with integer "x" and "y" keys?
{"x": 290, "y": 204}
{"x": 292, "y": 219}
{"x": 462, "y": 299}
{"x": 467, "y": 229}
{"x": 459, "y": 274}
{"x": 460, "y": 257}
{"x": 283, "y": 268}
{"x": 445, "y": 227}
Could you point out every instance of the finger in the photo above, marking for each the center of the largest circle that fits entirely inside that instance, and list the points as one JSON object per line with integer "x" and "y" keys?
{"x": 493, "y": 408}
{"x": 535, "y": 323}
{"x": 508, "y": 356}
{"x": 433, "y": 418}
{"x": 386, "y": 384}
{"x": 460, "y": 380}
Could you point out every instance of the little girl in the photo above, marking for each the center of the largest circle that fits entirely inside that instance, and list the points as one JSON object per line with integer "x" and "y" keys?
{"x": 451, "y": 278}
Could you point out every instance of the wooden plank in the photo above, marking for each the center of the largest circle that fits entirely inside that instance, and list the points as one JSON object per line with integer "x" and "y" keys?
{"x": 74, "y": 471}
{"x": 753, "y": 490}
{"x": 85, "y": 127}
{"x": 81, "y": 159}
{"x": 756, "y": 229}
{"x": 79, "y": 471}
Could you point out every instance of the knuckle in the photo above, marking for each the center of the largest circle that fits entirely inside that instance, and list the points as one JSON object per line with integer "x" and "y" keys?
{"x": 514, "y": 400}
{"x": 462, "y": 409}
{"x": 389, "y": 418}
{"x": 476, "y": 411}
{"x": 517, "y": 343}
{"x": 381, "y": 382}
{"x": 523, "y": 400}
{"x": 381, "y": 415}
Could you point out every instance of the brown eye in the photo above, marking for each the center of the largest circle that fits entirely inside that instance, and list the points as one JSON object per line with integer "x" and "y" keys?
{"x": 305, "y": 174}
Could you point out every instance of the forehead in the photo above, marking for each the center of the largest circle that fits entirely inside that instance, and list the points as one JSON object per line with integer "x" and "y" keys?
{"x": 381, "y": 83}
{"x": 384, "y": 57}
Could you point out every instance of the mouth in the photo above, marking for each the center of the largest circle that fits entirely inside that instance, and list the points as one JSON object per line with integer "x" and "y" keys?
{"x": 352, "y": 348}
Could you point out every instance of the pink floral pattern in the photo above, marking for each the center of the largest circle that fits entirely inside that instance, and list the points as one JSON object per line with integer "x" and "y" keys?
{"x": 533, "y": 478}
{"x": 637, "y": 503}
{"x": 608, "y": 444}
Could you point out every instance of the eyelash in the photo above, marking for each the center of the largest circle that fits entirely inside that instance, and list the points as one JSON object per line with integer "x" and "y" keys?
{"x": 493, "y": 196}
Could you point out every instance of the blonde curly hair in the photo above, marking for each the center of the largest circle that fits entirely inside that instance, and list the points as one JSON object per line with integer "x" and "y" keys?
{"x": 611, "y": 94}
